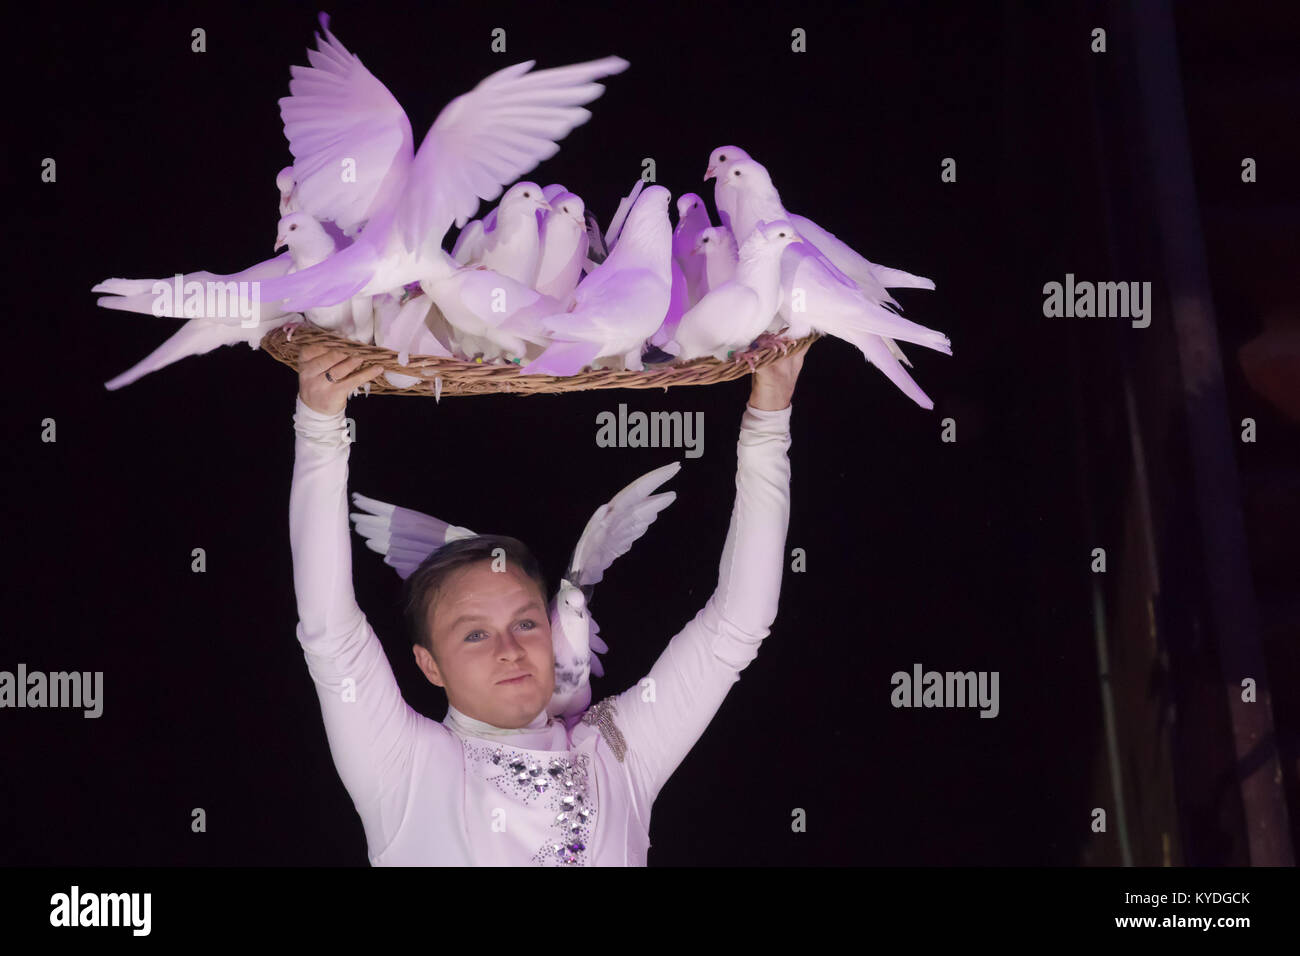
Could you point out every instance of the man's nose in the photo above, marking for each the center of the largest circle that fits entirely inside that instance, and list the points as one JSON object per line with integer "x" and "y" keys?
{"x": 511, "y": 649}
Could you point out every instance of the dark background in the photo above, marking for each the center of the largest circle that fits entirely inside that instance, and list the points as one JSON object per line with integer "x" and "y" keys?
{"x": 965, "y": 556}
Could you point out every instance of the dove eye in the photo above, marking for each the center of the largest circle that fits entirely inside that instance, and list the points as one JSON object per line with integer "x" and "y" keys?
{"x": 293, "y": 227}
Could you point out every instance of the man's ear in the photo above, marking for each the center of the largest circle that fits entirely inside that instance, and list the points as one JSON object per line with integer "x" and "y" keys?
{"x": 428, "y": 666}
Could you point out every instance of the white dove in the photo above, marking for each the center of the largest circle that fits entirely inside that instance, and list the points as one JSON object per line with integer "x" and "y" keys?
{"x": 848, "y": 261}
{"x": 550, "y": 192}
{"x": 339, "y": 116}
{"x": 830, "y": 301}
{"x": 309, "y": 244}
{"x": 716, "y": 248}
{"x": 564, "y": 247}
{"x": 678, "y": 303}
{"x": 407, "y": 537}
{"x": 826, "y": 305}
{"x": 622, "y": 303}
{"x": 494, "y": 316}
{"x": 514, "y": 247}
{"x": 759, "y": 200}
{"x": 203, "y": 332}
{"x": 411, "y": 326}
{"x": 692, "y": 217}
{"x": 730, "y": 317}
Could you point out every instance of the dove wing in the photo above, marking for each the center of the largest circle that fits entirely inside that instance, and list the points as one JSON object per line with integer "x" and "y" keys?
{"x": 618, "y": 523}
{"x": 851, "y": 263}
{"x": 470, "y": 243}
{"x": 339, "y": 117}
{"x": 492, "y": 136}
{"x": 610, "y": 303}
{"x": 404, "y": 537}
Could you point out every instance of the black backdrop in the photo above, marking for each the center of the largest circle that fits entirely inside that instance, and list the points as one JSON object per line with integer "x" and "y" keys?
{"x": 965, "y": 556}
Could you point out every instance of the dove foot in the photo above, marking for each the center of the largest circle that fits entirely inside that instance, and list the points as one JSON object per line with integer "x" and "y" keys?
{"x": 769, "y": 341}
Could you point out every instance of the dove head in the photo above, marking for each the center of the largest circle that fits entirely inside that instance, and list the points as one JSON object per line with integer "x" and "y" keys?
{"x": 300, "y": 232}
{"x": 571, "y": 616}
{"x": 685, "y": 203}
{"x": 524, "y": 197}
{"x": 745, "y": 174}
{"x": 712, "y": 241}
{"x": 571, "y": 207}
{"x": 481, "y": 631}
{"x": 769, "y": 237}
{"x": 721, "y": 157}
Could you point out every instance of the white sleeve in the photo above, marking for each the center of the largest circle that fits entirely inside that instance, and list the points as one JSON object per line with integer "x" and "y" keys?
{"x": 697, "y": 668}
{"x": 371, "y": 729}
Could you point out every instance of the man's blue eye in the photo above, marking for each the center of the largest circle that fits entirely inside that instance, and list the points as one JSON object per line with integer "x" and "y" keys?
{"x": 532, "y": 625}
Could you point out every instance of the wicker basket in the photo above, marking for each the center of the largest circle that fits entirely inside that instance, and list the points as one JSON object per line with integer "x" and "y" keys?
{"x": 469, "y": 378}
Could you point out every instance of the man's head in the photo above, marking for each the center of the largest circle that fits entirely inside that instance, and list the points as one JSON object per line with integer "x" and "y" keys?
{"x": 477, "y": 612}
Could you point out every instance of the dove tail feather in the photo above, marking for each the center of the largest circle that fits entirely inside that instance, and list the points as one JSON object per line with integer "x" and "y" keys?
{"x": 563, "y": 358}
{"x": 875, "y": 351}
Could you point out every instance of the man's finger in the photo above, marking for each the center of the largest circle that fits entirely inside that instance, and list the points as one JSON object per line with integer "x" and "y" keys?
{"x": 309, "y": 352}
{"x": 327, "y": 359}
{"x": 339, "y": 370}
{"x": 358, "y": 379}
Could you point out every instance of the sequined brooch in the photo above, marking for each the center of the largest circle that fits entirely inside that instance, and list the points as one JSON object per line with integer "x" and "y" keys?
{"x": 602, "y": 715}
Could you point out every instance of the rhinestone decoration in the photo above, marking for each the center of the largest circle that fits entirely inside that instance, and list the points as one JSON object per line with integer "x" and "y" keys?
{"x": 530, "y": 777}
{"x": 602, "y": 715}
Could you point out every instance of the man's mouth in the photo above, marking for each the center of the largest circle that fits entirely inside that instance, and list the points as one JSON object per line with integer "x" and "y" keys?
{"x": 515, "y": 680}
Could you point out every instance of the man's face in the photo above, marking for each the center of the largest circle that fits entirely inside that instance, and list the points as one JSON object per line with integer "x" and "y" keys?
{"x": 488, "y": 626}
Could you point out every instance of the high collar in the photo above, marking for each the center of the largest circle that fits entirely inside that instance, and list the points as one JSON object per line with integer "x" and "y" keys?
{"x": 537, "y": 735}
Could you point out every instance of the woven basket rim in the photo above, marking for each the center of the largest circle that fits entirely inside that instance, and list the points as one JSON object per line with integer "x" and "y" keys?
{"x": 436, "y": 376}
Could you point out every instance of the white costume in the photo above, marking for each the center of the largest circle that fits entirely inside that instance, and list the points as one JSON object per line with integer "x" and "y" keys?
{"x": 465, "y": 793}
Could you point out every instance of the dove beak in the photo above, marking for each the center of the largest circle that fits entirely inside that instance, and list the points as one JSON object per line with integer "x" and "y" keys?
{"x": 709, "y": 173}
{"x": 280, "y": 241}
{"x": 543, "y": 204}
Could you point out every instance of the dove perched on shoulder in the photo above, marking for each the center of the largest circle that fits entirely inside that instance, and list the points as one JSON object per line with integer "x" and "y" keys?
{"x": 623, "y": 302}
{"x": 730, "y": 317}
{"x": 406, "y": 537}
{"x": 403, "y": 201}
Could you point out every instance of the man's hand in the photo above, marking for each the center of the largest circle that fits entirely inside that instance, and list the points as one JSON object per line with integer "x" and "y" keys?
{"x": 774, "y": 384}
{"x": 318, "y": 392}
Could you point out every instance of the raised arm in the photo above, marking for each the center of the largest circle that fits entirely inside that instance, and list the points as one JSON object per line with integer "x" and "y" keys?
{"x": 697, "y": 668}
{"x": 370, "y": 728}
